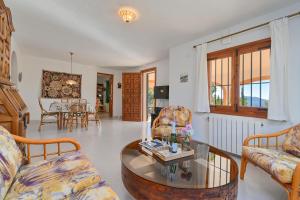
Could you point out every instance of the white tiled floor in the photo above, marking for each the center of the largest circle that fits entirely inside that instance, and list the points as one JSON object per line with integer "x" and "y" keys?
{"x": 103, "y": 146}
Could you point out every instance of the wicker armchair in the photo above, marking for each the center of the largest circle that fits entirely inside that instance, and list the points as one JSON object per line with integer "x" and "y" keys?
{"x": 161, "y": 125}
{"x": 265, "y": 151}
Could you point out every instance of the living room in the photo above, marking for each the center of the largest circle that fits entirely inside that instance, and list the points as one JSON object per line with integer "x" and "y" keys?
{"x": 155, "y": 100}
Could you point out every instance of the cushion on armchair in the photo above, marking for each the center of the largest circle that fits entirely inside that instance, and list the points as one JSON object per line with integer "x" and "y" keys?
{"x": 164, "y": 130}
{"x": 10, "y": 160}
{"x": 68, "y": 176}
{"x": 182, "y": 116}
{"x": 292, "y": 141}
{"x": 278, "y": 163}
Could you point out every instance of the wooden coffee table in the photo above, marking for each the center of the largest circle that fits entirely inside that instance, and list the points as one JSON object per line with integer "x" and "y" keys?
{"x": 209, "y": 174}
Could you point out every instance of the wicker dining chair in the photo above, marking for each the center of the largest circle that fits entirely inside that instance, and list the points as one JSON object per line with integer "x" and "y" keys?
{"x": 94, "y": 115}
{"x": 77, "y": 111}
{"x": 84, "y": 103}
{"x": 46, "y": 115}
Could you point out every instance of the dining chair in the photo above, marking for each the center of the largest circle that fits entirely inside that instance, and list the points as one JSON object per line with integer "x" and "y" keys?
{"x": 77, "y": 110}
{"x": 84, "y": 103}
{"x": 46, "y": 115}
{"x": 95, "y": 115}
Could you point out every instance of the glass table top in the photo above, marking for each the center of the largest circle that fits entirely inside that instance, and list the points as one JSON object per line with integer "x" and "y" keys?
{"x": 207, "y": 168}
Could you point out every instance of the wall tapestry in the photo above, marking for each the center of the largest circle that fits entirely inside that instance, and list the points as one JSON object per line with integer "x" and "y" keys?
{"x": 54, "y": 85}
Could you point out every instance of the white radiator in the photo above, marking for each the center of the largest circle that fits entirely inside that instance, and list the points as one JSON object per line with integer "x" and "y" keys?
{"x": 228, "y": 133}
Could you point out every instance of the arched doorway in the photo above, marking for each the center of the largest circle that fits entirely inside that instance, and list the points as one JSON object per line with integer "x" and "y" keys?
{"x": 14, "y": 68}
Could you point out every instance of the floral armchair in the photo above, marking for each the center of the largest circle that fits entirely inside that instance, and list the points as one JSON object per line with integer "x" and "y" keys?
{"x": 68, "y": 176}
{"x": 162, "y": 124}
{"x": 280, "y": 160}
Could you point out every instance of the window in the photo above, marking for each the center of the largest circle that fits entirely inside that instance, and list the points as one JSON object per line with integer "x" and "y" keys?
{"x": 239, "y": 79}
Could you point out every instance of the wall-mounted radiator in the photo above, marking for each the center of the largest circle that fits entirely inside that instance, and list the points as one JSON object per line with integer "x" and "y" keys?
{"x": 228, "y": 133}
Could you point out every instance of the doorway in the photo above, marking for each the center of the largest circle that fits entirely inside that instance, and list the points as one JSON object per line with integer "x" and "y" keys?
{"x": 148, "y": 101}
{"x": 104, "y": 94}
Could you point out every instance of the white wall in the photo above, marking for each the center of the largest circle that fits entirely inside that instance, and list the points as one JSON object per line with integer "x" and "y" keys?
{"x": 182, "y": 60}
{"x": 162, "y": 71}
{"x": 30, "y": 87}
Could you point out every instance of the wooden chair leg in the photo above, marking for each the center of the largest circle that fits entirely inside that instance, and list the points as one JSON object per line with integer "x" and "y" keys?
{"x": 41, "y": 123}
{"x": 66, "y": 117}
{"x": 84, "y": 120}
{"x": 81, "y": 122}
{"x": 57, "y": 120}
{"x": 70, "y": 123}
{"x": 76, "y": 120}
{"x": 294, "y": 193}
{"x": 243, "y": 167}
{"x": 63, "y": 121}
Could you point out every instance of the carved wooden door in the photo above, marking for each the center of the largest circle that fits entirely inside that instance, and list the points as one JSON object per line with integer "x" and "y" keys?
{"x": 131, "y": 97}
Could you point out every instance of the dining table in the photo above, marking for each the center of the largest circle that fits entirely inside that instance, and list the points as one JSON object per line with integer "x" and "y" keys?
{"x": 64, "y": 107}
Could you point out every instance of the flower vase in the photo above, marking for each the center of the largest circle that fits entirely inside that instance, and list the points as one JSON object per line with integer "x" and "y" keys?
{"x": 186, "y": 145}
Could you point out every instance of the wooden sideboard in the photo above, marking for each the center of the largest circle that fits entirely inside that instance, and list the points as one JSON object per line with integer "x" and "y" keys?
{"x": 13, "y": 110}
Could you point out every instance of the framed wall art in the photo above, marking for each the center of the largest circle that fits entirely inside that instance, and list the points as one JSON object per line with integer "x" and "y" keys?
{"x": 54, "y": 85}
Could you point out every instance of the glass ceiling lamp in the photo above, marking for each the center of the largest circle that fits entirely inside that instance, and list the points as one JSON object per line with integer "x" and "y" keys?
{"x": 128, "y": 14}
{"x": 71, "y": 81}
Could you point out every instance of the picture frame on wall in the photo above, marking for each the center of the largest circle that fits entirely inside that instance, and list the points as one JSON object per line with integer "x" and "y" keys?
{"x": 54, "y": 85}
{"x": 184, "y": 78}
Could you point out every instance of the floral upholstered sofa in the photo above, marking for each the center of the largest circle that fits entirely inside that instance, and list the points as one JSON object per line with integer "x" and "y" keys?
{"x": 69, "y": 176}
{"x": 162, "y": 124}
{"x": 280, "y": 160}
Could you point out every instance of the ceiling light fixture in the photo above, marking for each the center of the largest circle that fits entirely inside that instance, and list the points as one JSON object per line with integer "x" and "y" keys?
{"x": 71, "y": 81}
{"x": 128, "y": 14}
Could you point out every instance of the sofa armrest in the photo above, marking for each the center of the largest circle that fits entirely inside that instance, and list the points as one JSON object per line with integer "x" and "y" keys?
{"x": 45, "y": 142}
{"x": 296, "y": 181}
{"x": 259, "y": 137}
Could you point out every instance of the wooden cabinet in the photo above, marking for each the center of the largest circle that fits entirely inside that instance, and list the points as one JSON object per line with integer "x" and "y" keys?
{"x": 6, "y": 29}
{"x": 13, "y": 110}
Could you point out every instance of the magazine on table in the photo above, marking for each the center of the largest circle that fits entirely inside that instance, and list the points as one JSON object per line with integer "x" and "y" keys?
{"x": 150, "y": 145}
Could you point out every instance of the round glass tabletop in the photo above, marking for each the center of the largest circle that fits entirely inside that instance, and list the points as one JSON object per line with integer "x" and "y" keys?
{"x": 207, "y": 168}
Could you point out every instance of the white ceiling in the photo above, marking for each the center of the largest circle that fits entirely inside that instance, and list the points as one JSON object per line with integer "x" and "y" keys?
{"x": 94, "y": 31}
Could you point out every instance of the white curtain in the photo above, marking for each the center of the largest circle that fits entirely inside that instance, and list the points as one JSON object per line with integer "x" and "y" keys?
{"x": 278, "y": 104}
{"x": 201, "y": 99}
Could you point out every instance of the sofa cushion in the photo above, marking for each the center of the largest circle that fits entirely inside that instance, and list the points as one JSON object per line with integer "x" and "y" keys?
{"x": 10, "y": 160}
{"x": 292, "y": 141}
{"x": 68, "y": 176}
{"x": 278, "y": 163}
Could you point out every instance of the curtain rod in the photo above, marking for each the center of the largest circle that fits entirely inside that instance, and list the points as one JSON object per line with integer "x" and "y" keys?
{"x": 247, "y": 29}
